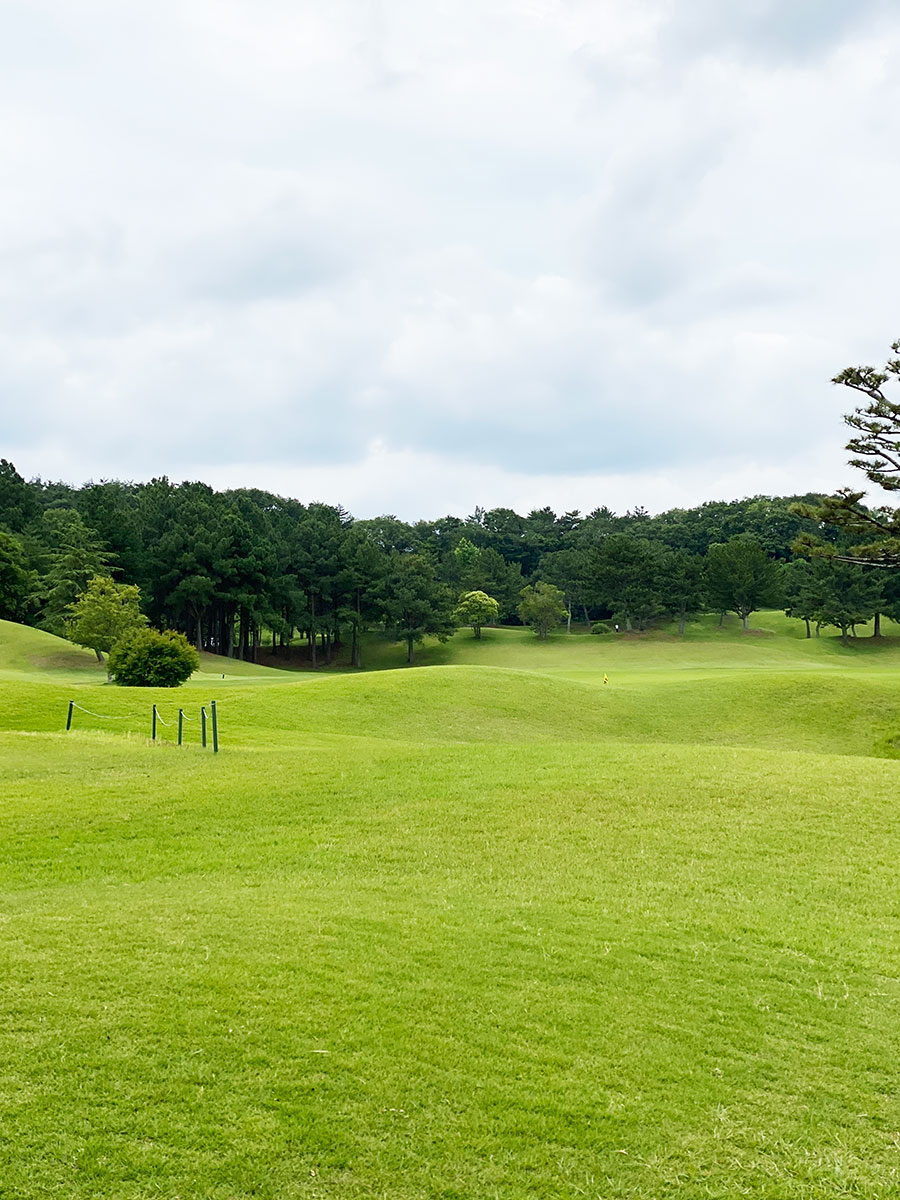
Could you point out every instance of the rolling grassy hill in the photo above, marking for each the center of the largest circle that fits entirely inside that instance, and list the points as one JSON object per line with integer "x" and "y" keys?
{"x": 485, "y": 928}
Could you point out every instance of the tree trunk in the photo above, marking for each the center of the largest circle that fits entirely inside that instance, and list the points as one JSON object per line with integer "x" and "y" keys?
{"x": 745, "y": 621}
{"x": 99, "y": 655}
{"x": 229, "y": 634}
{"x": 627, "y": 623}
{"x": 808, "y": 630}
{"x": 244, "y": 651}
{"x": 818, "y": 628}
{"x": 681, "y": 620}
{"x": 312, "y": 629}
{"x": 476, "y": 629}
{"x": 587, "y": 619}
{"x": 876, "y": 629}
{"x": 409, "y": 649}
{"x": 844, "y": 635}
{"x": 357, "y": 626}
{"x": 568, "y": 620}
{"x": 721, "y": 619}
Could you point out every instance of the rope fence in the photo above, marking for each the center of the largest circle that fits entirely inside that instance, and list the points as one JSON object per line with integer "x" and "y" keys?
{"x": 99, "y": 716}
{"x": 155, "y": 717}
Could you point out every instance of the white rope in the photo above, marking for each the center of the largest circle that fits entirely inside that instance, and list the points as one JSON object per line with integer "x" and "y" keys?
{"x": 126, "y": 716}
{"x": 99, "y": 716}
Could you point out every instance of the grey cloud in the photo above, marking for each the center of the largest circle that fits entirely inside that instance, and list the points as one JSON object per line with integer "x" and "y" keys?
{"x": 767, "y": 30}
{"x": 638, "y": 246}
{"x": 270, "y": 259}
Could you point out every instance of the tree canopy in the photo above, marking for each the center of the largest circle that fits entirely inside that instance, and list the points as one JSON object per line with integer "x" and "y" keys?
{"x": 413, "y": 602}
{"x": 476, "y": 609}
{"x": 542, "y": 607}
{"x": 104, "y": 614}
{"x": 15, "y": 580}
{"x": 875, "y": 446}
{"x": 741, "y": 578}
{"x": 251, "y": 574}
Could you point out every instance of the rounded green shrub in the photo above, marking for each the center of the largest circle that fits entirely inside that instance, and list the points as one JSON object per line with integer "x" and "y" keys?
{"x": 601, "y": 627}
{"x": 149, "y": 658}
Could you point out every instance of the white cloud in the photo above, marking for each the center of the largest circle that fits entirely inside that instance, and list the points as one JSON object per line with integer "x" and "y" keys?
{"x": 525, "y": 250}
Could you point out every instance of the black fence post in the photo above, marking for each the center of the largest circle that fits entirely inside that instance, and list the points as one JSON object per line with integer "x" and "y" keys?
{"x": 215, "y": 726}
{"x": 153, "y": 733}
{"x": 69, "y": 717}
{"x": 180, "y": 724}
{"x": 203, "y": 726}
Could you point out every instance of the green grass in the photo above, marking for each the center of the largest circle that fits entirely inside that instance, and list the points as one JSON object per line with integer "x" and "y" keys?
{"x": 28, "y": 654}
{"x": 486, "y": 929}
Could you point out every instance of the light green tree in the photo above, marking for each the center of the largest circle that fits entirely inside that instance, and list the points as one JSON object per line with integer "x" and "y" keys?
{"x": 542, "y": 607}
{"x": 466, "y": 558}
{"x": 104, "y": 614}
{"x": 476, "y": 609}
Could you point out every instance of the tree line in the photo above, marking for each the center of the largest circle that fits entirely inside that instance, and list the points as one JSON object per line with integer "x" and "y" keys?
{"x": 243, "y": 570}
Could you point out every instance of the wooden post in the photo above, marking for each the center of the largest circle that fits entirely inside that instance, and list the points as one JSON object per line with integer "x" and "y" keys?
{"x": 180, "y": 724}
{"x": 203, "y": 727}
{"x": 69, "y": 717}
{"x": 153, "y": 733}
{"x": 215, "y": 729}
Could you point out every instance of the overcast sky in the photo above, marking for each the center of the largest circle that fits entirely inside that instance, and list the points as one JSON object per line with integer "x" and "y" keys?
{"x": 417, "y": 255}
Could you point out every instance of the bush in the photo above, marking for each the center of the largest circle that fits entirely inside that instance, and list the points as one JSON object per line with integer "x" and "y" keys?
{"x": 601, "y": 627}
{"x": 149, "y": 658}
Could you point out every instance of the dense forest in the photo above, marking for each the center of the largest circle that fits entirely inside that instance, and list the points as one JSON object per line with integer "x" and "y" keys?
{"x": 243, "y": 569}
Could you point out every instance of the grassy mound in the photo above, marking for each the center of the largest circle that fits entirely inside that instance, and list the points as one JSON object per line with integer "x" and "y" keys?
{"x": 833, "y": 713}
{"x": 775, "y": 642}
{"x": 27, "y": 653}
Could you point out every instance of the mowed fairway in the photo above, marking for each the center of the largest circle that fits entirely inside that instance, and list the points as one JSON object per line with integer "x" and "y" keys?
{"x": 488, "y": 928}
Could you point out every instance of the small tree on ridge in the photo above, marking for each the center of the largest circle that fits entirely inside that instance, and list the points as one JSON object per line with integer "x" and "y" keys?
{"x": 476, "y": 609}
